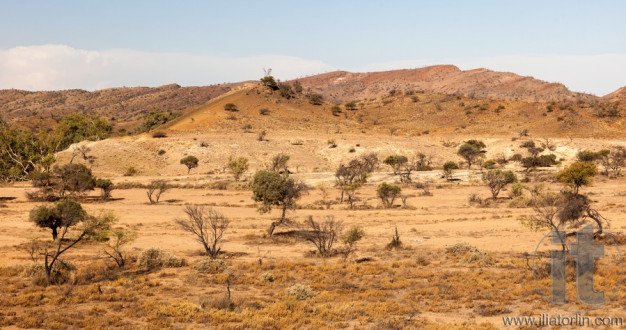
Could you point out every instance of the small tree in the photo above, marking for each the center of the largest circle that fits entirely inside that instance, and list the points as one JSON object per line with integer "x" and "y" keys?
{"x": 73, "y": 178}
{"x": 238, "y": 166}
{"x": 350, "y": 238}
{"x": 190, "y": 162}
{"x": 617, "y": 159}
{"x": 350, "y": 191}
{"x": 155, "y": 190}
{"x": 117, "y": 239}
{"x": 356, "y": 171}
{"x": 547, "y": 207}
{"x": 498, "y": 179}
{"x": 323, "y": 235}
{"x": 273, "y": 189}
{"x": 106, "y": 186}
{"x": 448, "y": 169}
{"x": 71, "y": 214}
{"x": 577, "y": 174}
{"x": 471, "y": 151}
{"x": 279, "y": 163}
{"x": 396, "y": 162}
{"x": 388, "y": 193}
{"x": 208, "y": 225}
{"x": 65, "y": 213}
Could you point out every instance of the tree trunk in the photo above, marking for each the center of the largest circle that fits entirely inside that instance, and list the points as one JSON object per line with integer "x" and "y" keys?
{"x": 275, "y": 224}
{"x": 54, "y": 233}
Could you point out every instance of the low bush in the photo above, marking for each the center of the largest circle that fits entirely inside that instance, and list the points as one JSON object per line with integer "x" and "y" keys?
{"x": 159, "y": 135}
{"x": 300, "y": 292}
{"x": 210, "y": 266}
{"x": 155, "y": 258}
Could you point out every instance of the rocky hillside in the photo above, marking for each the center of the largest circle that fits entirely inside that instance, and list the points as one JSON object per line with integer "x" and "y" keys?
{"x": 617, "y": 96}
{"x": 342, "y": 86}
{"x": 123, "y": 107}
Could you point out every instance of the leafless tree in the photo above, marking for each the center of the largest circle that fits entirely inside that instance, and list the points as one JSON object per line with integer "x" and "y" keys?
{"x": 156, "y": 189}
{"x": 323, "y": 234}
{"x": 207, "y": 224}
{"x": 119, "y": 238}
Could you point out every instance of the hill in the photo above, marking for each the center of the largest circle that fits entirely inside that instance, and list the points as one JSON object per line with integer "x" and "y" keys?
{"x": 123, "y": 107}
{"x": 319, "y": 137}
{"x": 617, "y": 96}
{"x": 342, "y": 86}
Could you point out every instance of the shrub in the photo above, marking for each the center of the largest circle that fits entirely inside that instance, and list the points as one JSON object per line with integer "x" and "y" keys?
{"x": 106, "y": 186}
{"x": 161, "y": 152}
{"x": 351, "y": 238}
{"x": 264, "y": 111}
{"x": 481, "y": 258}
{"x": 237, "y": 166}
{"x": 286, "y": 91}
{"x": 335, "y": 110}
{"x": 448, "y": 168}
{"x": 351, "y": 106}
{"x": 315, "y": 99}
{"x": 460, "y": 248}
{"x": 586, "y": 156}
{"x": 159, "y": 135}
{"x": 210, "y": 266}
{"x": 388, "y": 193}
{"x": 395, "y": 243}
{"x": 155, "y": 258}
{"x": 154, "y": 119}
{"x": 489, "y": 164}
{"x": 300, "y": 292}
{"x": 231, "y": 107}
{"x": 261, "y": 136}
{"x": 266, "y": 277}
{"x": 130, "y": 171}
{"x": 270, "y": 82}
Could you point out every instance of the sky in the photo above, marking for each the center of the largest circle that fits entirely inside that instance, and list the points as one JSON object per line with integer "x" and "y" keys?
{"x": 63, "y": 44}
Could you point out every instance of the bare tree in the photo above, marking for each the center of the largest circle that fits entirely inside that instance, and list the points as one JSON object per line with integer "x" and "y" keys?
{"x": 155, "y": 190}
{"x": 117, "y": 239}
{"x": 207, "y": 224}
{"x": 323, "y": 234}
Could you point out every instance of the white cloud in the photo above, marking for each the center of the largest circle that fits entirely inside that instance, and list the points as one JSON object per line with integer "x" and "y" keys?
{"x": 54, "y": 67}
{"x": 595, "y": 74}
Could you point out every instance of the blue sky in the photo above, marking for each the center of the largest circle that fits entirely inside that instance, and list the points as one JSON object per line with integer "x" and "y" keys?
{"x": 97, "y": 44}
